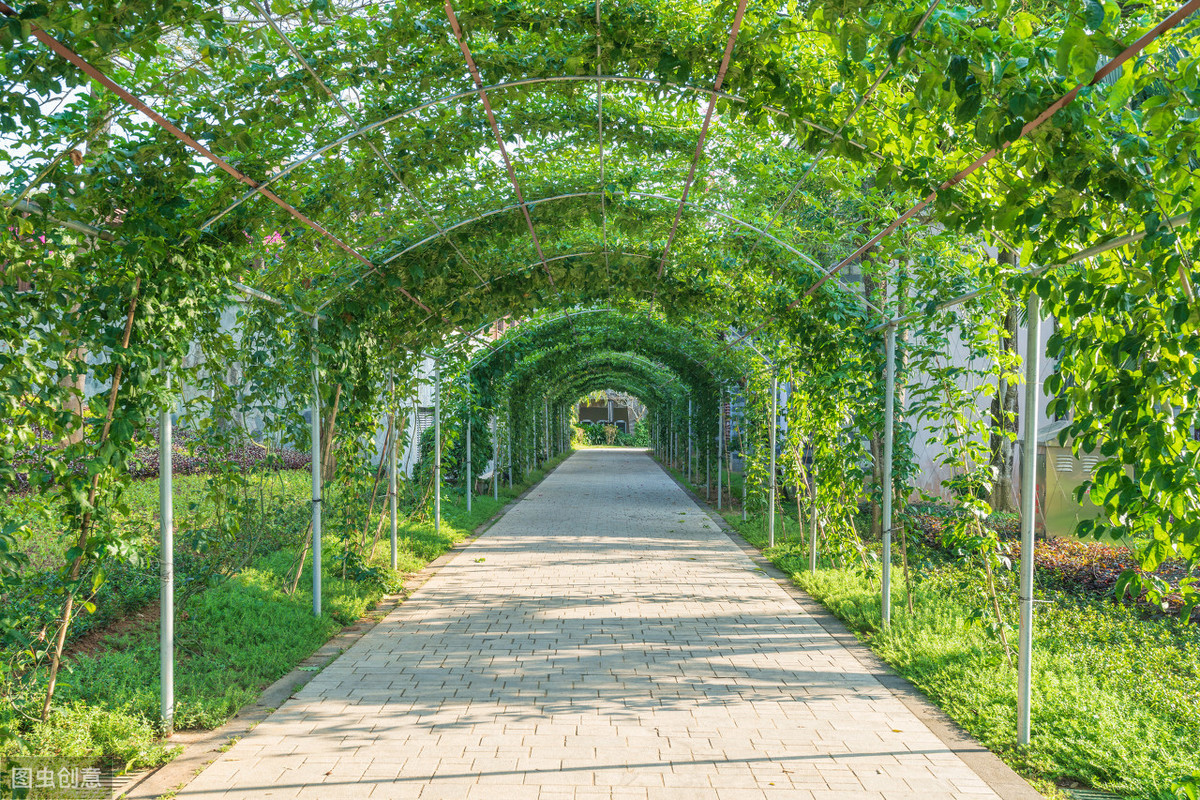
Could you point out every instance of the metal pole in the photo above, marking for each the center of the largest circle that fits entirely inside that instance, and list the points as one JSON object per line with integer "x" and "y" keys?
{"x": 743, "y": 468}
{"x": 166, "y": 570}
{"x": 546, "y": 424}
{"x": 392, "y": 460}
{"x": 690, "y": 474}
{"x": 771, "y": 490}
{"x": 496, "y": 457}
{"x": 812, "y": 523}
{"x": 720, "y": 444}
{"x": 437, "y": 447}
{"x": 469, "y": 486}
{"x": 508, "y": 446}
{"x": 1033, "y": 354}
{"x": 889, "y": 413}
{"x": 316, "y": 474}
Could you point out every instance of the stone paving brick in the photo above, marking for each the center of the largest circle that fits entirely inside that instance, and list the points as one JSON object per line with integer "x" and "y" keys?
{"x": 603, "y": 641}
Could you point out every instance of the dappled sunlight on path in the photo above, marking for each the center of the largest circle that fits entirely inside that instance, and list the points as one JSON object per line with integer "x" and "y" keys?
{"x": 603, "y": 640}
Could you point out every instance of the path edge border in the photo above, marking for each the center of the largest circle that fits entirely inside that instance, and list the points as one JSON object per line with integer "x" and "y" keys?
{"x": 1000, "y": 777}
{"x": 202, "y": 748}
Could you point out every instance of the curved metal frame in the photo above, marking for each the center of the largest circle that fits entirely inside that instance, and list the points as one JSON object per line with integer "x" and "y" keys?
{"x": 529, "y": 326}
{"x": 373, "y": 126}
{"x": 567, "y": 196}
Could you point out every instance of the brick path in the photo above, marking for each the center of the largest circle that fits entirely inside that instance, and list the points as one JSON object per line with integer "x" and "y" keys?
{"x": 603, "y": 640}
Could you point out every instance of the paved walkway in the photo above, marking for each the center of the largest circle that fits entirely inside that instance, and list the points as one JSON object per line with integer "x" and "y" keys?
{"x": 603, "y": 640}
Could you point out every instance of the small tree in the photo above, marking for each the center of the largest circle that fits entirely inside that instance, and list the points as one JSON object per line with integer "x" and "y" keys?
{"x": 610, "y": 434}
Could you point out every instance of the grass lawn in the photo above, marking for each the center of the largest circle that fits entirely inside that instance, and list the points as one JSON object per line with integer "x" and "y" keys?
{"x": 1116, "y": 692}
{"x": 233, "y": 640}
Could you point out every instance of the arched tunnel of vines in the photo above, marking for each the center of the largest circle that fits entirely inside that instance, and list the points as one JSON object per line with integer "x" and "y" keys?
{"x": 604, "y": 399}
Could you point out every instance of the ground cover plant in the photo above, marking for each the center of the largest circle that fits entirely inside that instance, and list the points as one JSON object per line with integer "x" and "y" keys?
{"x": 234, "y": 637}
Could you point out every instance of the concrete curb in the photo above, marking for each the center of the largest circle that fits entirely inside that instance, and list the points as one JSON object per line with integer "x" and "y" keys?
{"x": 201, "y": 748}
{"x": 983, "y": 762}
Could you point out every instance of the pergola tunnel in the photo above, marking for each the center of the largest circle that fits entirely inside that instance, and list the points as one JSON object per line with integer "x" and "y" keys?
{"x": 906, "y": 291}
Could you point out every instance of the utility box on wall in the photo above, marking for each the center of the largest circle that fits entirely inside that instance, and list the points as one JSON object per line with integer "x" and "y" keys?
{"x": 1060, "y": 473}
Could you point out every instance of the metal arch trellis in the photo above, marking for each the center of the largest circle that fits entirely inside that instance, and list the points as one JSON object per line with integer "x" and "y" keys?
{"x": 712, "y": 104}
{"x": 28, "y": 207}
{"x": 491, "y": 116}
{"x": 604, "y": 365}
{"x": 127, "y": 97}
{"x": 295, "y": 51}
{"x": 650, "y": 195}
{"x": 862, "y": 101}
{"x": 1081, "y": 255}
{"x": 632, "y": 79}
{"x": 1173, "y": 19}
{"x": 605, "y": 251}
{"x": 615, "y": 356}
{"x": 533, "y": 326}
{"x": 600, "y": 141}
{"x": 261, "y": 187}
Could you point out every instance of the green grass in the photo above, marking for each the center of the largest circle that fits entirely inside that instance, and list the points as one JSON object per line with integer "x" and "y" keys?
{"x": 1116, "y": 694}
{"x": 43, "y": 538}
{"x": 232, "y": 641}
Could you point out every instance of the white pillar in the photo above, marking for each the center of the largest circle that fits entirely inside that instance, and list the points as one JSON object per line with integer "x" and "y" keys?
{"x": 316, "y": 474}
{"x": 720, "y": 444}
{"x": 1033, "y": 354}
{"x": 889, "y": 412}
{"x": 771, "y": 484}
{"x": 743, "y": 469}
{"x": 470, "y": 488}
{"x": 689, "y": 441}
{"x": 508, "y": 444}
{"x": 496, "y": 457}
{"x": 392, "y": 460}
{"x": 437, "y": 447}
{"x": 166, "y": 572}
{"x": 812, "y": 523}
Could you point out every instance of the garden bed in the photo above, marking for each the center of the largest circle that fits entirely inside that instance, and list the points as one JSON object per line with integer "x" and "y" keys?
{"x": 1116, "y": 691}
{"x": 232, "y": 639}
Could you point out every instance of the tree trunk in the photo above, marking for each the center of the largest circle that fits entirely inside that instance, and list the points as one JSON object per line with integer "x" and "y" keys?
{"x": 1004, "y": 411}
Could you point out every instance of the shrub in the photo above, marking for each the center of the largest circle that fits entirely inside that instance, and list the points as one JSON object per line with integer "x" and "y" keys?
{"x": 116, "y": 739}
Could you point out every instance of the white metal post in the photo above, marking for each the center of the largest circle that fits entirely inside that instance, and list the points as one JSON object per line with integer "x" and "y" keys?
{"x": 889, "y": 413}
{"x": 689, "y": 442}
{"x": 743, "y": 471}
{"x": 771, "y": 485}
{"x": 812, "y": 523}
{"x": 496, "y": 457}
{"x": 508, "y": 445}
{"x": 546, "y": 423}
{"x": 720, "y": 444}
{"x": 392, "y": 460}
{"x": 1033, "y": 353}
{"x": 316, "y": 473}
{"x": 166, "y": 572}
{"x": 470, "y": 487}
{"x": 437, "y": 447}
